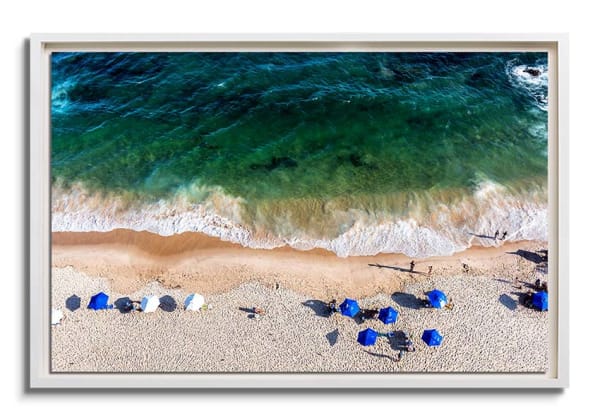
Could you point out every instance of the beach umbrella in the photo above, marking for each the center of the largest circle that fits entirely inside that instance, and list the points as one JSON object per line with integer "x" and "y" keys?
{"x": 349, "y": 307}
{"x": 540, "y": 301}
{"x": 194, "y": 302}
{"x": 57, "y": 316}
{"x": 99, "y": 301}
{"x": 432, "y": 337}
{"x": 388, "y": 315}
{"x": 367, "y": 337}
{"x": 437, "y": 298}
{"x": 150, "y": 303}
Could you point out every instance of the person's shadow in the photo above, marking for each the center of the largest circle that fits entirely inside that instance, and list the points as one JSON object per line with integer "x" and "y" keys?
{"x": 391, "y": 267}
{"x": 482, "y": 236}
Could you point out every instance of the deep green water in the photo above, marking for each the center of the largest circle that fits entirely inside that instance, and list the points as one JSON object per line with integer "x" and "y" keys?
{"x": 288, "y": 134}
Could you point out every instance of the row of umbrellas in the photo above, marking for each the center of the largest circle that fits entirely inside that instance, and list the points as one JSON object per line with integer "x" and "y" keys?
{"x": 151, "y": 303}
{"x": 368, "y": 337}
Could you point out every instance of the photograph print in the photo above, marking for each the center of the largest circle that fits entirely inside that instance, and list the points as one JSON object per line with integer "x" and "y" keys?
{"x": 294, "y": 212}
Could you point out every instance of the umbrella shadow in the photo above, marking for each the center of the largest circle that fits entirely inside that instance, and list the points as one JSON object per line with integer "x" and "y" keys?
{"x": 332, "y": 337}
{"x": 124, "y": 304}
{"x": 318, "y": 306}
{"x": 364, "y": 315}
{"x": 523, "y": 298}
{"x": 167, "y": 303}
{"x": 528, "y": 255}
{"x": 397, "y": 340}
{"x": 391, "y": 267}
{"x": 507, "y": 301}
{"x": 407, "y": 300}
{"x": 73, "y": 303}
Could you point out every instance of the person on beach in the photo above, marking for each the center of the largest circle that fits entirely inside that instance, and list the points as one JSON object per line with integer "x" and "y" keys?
{"x": 466, "y": 268}
{"x": 136, "y": 306}
{"x": 541, "y": 286}
{"x": 332, "y": 306}
{"x": 496, "y": 235}
{"x": 504, "y": 235}
{"x": 516, "y": 284}
{"x": 368, "y": 314}
{"x": 258, "y": 311}
{"x": 528, "y": 299}
{"x": 410, "y": 347}
{"x": 412, "y": 266}
{"x": 430, "y": 270}
{"x": 128, "y": 307}
{"x": 407, "y": 346}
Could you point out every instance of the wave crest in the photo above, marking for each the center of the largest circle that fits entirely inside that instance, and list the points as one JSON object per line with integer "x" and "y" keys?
{"x": 430, "y": 224}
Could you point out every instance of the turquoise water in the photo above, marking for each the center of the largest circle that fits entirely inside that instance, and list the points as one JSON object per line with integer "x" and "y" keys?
{"x": 297, "y": 148}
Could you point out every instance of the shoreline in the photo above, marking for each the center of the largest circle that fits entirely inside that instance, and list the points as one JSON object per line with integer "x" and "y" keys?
{"x": 198, "y": 262}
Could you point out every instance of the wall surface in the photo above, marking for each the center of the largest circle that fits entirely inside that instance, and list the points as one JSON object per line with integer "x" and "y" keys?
{"x": 176, "y": 16}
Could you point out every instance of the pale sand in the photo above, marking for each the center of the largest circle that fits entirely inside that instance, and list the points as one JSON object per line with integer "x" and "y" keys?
{"x": 488, "y": 331}
{"x": 194, "y": 261}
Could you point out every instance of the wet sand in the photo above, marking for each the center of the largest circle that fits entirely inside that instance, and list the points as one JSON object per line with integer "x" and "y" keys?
{"x": 194, "y": 261}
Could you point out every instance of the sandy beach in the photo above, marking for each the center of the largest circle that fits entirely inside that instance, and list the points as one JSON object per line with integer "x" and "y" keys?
{"x": 487, "y": 331}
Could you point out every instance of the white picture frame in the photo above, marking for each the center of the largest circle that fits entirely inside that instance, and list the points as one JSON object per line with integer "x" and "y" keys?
{"x": 42, "y": 45}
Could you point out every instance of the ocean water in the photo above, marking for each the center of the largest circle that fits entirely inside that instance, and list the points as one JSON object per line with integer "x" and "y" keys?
{"x": 358, "y": 153}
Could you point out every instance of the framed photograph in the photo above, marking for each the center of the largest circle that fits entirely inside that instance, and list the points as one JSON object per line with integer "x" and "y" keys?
{"x": 298, "y": 211}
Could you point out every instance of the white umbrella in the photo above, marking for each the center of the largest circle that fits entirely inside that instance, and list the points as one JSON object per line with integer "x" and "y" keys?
{"x": 194, "y": 302}
{"x": 57, "y": 316}
{"x": 150, "y": 303}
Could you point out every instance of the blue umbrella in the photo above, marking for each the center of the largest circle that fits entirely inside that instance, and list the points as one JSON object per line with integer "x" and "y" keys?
{"x": 540, "y": 301}
{"x": 437, "y": 298}
{"x": 367, "y": 337}
{"x": 388, "y": 315}
{"x": 349, "y": 307}
{"x": 99, "y": 301}
{"x": 432, "y": 337}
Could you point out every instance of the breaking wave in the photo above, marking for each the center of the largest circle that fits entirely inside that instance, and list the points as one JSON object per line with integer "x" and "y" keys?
{"x": 427, "y": 226}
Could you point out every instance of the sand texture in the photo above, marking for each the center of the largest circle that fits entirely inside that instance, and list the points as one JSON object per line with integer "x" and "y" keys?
{"x": 487, "y": 331}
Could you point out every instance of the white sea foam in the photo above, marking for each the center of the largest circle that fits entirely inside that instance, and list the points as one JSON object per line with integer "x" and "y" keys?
{"x": 445, "y": 230}
{"x": 535, "y": 85}
{"x": 60, "y": 96}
